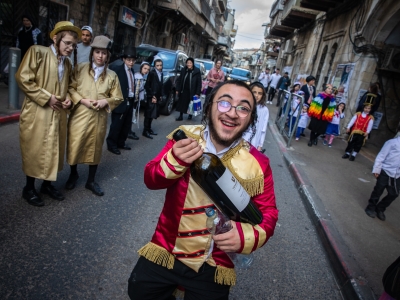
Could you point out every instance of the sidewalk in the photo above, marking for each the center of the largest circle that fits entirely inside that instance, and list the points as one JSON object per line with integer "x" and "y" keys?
{"x": 335, "y": 192}
{"x": 6, "y": 114}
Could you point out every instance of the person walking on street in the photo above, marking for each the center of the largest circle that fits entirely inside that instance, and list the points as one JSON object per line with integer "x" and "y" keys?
{"x": 95, "y": 92}
{"x": 28, "y": 35}
{"x": 43, "y": 76}
{"x": 309, "y": 89}
{"x": 140, "y": 79}
{"x": 265, "y": 78}
{"x": 154, "y": 92}
{"x": 333, "y": 128}
{"x": 273, "y": 85}
{"x": 387, "y": 172}
{"x": 187, "y": 86}
{"x": 179, "y": 252}
{"x": 121, "y": 116}
{"x": 283, "y": 85}
{"x": 84, "y": 47}
{"x": 215, "y": 75}
{"x": 321, "y": 113}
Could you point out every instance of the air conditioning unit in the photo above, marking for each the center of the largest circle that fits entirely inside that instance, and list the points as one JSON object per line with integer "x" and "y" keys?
{"x": 142, "y": 5}
{"x": 166, "y": 28}
{"x": 391, "y": 61}
{"x": 289, "y": 46}
{"x": 180, "y": 37}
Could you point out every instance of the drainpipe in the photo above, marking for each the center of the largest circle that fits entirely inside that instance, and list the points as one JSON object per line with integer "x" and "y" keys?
{"x": 108, "y": 15}
{"x": 91, "y": 11}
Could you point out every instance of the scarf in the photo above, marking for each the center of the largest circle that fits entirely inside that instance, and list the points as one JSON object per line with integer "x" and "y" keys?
{"x": 315, "y": 110}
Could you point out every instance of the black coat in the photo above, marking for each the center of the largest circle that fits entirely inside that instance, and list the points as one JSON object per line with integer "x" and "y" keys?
{"x": 304, "y": 88}
{"x": 153, "y": 87}
{"x": 375, "y": 106}
{"x": 125, "y": 105}
{"x": 188, "y": 85}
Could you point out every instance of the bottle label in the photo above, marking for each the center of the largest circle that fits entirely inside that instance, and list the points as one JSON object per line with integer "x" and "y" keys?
{"x": 233, "y": 190}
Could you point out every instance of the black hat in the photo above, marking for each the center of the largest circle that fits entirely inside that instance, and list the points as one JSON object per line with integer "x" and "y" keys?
{"x": 190, "y": 59}
{"x": 129, "y": 52}
{"x": 370, "y": 100}
{"x": 309, "y": 78}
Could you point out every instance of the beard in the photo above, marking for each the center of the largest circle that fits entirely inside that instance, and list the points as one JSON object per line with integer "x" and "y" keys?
{"x": 219, "y": 140}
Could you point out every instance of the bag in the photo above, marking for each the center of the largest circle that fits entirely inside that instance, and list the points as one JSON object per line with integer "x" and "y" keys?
{"x": 204, "y": 86}
{"x": 391, "y": 279}
{"x": 196, "y": 106}
{"x": 190, "y": 108}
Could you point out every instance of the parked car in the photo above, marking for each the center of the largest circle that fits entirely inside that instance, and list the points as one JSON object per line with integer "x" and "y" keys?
{"x": 240, "y": 74}
{"x": 209, "y": 64}
{"x": 173, "y": 62}
{"x": 227, "y": 71}
{"x": 202, "y": 68}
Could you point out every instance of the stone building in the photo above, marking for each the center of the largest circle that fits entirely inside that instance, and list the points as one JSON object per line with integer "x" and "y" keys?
{"x": 350, "y": 43}
{"x": 201, "y": 28}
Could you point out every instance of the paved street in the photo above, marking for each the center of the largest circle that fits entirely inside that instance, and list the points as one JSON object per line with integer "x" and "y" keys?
{"x": 86, "y": 246}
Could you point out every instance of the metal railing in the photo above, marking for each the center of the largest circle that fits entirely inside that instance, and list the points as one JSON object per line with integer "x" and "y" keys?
{"x": 284, "y": 119}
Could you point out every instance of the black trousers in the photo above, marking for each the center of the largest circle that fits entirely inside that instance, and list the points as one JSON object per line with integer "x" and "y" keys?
{"x": 355, "y": 144}
{"x": 119, "y": 129}
{"x": 147, "y": 124}
{"x": 383, "y": 182}
{"x": 150, "y": 281}
{"x": 280, "y": 96}
{"x": 271, "y": 94}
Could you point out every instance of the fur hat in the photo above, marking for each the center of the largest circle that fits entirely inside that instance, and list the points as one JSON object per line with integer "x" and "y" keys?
{"x": 101, "y": 42}
{"x": 65, "y": 26}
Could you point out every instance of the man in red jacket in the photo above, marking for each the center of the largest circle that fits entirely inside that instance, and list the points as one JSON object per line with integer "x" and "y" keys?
{"x": 180, "y": 251}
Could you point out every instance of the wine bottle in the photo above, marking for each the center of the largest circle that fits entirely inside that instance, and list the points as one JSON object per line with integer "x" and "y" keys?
{"x": 222, "y": 187}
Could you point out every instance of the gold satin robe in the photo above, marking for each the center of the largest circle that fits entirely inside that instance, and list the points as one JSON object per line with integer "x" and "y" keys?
{"x": 42, "y": 130}
{"x": 87, "y": 127}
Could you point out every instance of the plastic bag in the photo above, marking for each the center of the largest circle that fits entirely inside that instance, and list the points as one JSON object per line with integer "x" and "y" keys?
{"x": 196, "y": 106}
{"x": 190, "y": 108}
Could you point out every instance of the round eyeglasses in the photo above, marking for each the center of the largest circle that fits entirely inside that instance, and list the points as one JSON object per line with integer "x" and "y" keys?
{"x": 70, "y": 44}
{"x": 225, "y": 106}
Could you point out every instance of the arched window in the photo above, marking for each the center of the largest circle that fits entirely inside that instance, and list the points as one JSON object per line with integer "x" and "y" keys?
{"x": 321, "y": 64}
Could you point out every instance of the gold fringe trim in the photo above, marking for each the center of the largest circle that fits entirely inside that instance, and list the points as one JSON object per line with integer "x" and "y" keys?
{"x": 358, "y": 132}
{"x": 188, "y": 134}
{"x": 225, "y": 276}
{"x": 157, "y": 255}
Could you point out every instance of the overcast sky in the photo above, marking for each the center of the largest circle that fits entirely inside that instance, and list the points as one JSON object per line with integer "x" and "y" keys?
{"x": 249, "y": 16}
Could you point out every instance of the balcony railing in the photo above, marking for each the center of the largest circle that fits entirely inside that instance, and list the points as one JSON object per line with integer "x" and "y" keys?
{"x": 277, "y": 6}
{"x": 277, "y": 29}
{"x": 224, "y": 41}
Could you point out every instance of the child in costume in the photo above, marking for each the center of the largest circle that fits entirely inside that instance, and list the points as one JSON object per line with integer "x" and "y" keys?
{"x": 303, "y": 121}
{"x": 333, "y": 127}
{"x": 296, "y": 104}
{"x": 360, "y": 125}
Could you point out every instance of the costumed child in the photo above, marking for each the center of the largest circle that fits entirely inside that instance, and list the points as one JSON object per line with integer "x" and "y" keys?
{"x": 360, "y": 126}
{"x": 256, "y": 136}
{"x": 303, "y": 121}
{"x": 295, "y": 88}
{"x": 43, "y": 76}
{"x": 333, "y": 128}
{"x": 95, "y": 92}
{"x": 321, "y": 113}
{"x": 295, "y": 108}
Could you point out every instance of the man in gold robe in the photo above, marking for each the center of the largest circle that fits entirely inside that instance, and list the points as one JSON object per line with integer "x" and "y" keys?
{"x": 44, "y": 76}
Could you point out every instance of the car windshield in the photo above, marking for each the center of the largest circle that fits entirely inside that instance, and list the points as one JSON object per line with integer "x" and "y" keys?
{"x": 240, "y": 72}
{"x": 148, "y": 55}
{"x": 208, "y": 65}
{"x": 197, "y": 65}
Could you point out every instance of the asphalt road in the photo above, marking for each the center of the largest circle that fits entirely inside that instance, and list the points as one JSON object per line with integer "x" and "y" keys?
{"x": 86, "y": 246}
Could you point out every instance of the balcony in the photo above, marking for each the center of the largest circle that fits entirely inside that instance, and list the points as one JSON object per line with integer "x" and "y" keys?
{"x": 206, "y": 10}
{"x": 222, "y": 5}
{"x": 277, "y": 29}
{"x": 295, "y": 16}
{"x": 276, "y": 7}
{"x": 233, "y": 31}
{"x": 321, "y": 5}
{"x": 224, "y": 41}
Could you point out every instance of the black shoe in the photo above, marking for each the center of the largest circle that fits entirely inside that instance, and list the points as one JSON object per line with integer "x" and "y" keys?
{"x": 147, "y": 134}
{"x": 115, "y": 151}
{"x": 302, "y": 134}
{"x": 180, "y": 118}
{"x": 71, "y": 182}
{"x": 125, "y": 147}
{"x": 310, "y": 143}
{"x": 95, "y": 188}
{"x": 262, "y": 151}
{"x": 370, "y": 213}
{"x": 32, "y": 197}
{"x": 189, "y": 117}
{"x": 352, "y": 158}
{"x": 132, "y": 136}
{"x": 381, "y": 216}
{"x": 316, "y": 142}
{"x": 152, "y": 132}
{"x": 52, "y": 192}
{"x": 345, "y": 156}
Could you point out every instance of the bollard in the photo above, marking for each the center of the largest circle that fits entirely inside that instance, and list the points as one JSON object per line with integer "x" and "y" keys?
{"x": 13, "y": 90}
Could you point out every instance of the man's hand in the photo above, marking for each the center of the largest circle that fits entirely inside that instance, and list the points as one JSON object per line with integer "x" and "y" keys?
{"x": 54, "y": 103}
{"x": 229, "y": 241}
{"x": 366, "y": 134}
{"x": 376, "y": 175}
{"x": 154, "y": 100}
{"x": 66, "y": 104}
{"x": 187, "y": 150}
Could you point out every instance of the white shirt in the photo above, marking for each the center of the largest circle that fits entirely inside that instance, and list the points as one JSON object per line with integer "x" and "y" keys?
{"x": 388, "y": 159}
{"x": 210, "y": 148}
{"x": 138, "y": 76}
{"x": 336, "y": 117}
{"x": 159, "y": 74}
{"x": 275, "y": 79}
{"x": 261, "y": 128}
{"x": 130, "y": 78}
{"x": 264, "y": 79}
{"x": 60, "y": 64}
{"x": 364, "y": 115}
{"x": 97, "y": 71}
{"x": 303, "y": 120}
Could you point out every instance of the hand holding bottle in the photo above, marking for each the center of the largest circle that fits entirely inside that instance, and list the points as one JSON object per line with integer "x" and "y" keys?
{"x": 187, "y": 150}
{"x": 229, "y": 241}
